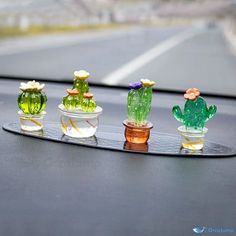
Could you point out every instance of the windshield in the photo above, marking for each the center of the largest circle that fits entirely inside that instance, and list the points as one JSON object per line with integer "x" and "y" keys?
{"x": 178, "y": 44}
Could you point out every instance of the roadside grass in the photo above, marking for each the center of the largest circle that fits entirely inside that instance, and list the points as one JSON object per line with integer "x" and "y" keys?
{"x": 10, "y": 32}
{"x": 13, "y": 32}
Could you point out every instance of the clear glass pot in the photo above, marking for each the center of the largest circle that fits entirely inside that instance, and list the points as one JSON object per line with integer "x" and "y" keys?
{"x": 192, "y": 139}
{"x": 31, "y": 122}
{"x": 79, "y": 124}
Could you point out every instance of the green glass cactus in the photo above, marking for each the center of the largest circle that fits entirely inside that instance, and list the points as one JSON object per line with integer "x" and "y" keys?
{"x": 71, "y": 101}
{"x": 32, "y": 100}
{"x": 88, "y": 104}
{"x": 81, "y": 83}
{"x": 196, "y": 113}
{"x": 139, "y": 102}
{"x": 133, "y": 102}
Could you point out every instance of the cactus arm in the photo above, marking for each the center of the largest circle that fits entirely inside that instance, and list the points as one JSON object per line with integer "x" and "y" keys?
{"x": 178, "y": 113}
{"x": 211, "y": 111}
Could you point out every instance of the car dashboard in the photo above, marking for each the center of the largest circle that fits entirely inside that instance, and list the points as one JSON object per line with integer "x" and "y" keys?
{"x": 50, "y": 188}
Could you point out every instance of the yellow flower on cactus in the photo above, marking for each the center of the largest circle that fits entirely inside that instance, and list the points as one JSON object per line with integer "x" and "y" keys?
{"x": 81, "y": 74}
{"x": 147, "y": 82}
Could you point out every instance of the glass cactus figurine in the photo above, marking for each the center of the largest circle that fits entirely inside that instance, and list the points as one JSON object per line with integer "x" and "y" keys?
{"x": 137, "y": 127}
{"x": 88, "y": 104}
{"x": 194, "y": 117}
{"x": 32, "y": 100}
{"x": 79, "y": 111}
{"x": 139, "y": 101}
{"x": 71, "y": 101}
{"x": 32, "y": 103}
{"x": 196, "y": 113}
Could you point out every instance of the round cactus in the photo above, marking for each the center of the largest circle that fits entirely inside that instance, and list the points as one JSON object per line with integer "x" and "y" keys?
{"x": 32, "y": 100}
{"x": 88, "y": 104}
{"x": 71, "y": 101}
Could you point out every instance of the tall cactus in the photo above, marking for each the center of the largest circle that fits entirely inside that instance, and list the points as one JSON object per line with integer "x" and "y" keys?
{"x": 81, "y": 83}
{"x": 139, "y": 102}
{"x": 196, "y": 113}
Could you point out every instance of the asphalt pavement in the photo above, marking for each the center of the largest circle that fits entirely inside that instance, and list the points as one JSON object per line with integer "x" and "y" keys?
{"x": 176, "y": 58}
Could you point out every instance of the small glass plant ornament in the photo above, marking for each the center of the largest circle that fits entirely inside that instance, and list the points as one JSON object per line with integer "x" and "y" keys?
{"x": 194, "y": 117}
{"x": 32, "y": 103}
{"x": 71, "y": 101}
{"x": 88, "y": 104}
{"x": 139, "y": 102}
{"x": 79, "y": 111}
{"x": 137, "y": 126}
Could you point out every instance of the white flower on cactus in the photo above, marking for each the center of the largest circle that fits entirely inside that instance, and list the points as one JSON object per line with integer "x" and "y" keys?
{"x": 81, "y": 74}
{"x": 31, "y": 86}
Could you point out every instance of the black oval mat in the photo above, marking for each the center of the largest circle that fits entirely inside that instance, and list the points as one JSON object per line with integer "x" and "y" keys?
{"x": 112, "y": 138}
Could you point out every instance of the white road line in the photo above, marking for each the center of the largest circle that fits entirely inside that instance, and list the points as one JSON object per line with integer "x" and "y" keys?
{"x": 121, "y": 73}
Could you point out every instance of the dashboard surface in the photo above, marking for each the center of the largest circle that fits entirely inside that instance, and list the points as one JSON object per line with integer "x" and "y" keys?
{"x": 49, "y": 188}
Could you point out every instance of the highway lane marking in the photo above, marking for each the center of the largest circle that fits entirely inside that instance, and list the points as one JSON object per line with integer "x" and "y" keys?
{"x": 124, "y": 71}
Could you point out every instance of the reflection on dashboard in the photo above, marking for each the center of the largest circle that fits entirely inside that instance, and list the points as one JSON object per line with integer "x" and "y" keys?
{"x": 159, "y": 144}
{"x": 89, "y": 140}
{"x": 138, "y": 147}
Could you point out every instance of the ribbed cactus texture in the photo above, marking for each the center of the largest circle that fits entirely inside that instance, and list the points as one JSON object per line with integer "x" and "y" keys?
{"x": 196, "y": 113}
{"x": 71, "y": 102}
{"x": 139, "y": 105}
{"x": 88, "y": 105}
{"x": 82, "y": 86}
{"x": 32, "y": 102}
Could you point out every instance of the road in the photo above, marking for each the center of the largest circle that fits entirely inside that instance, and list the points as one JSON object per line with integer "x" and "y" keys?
{"x": 176, "y": 58}
{"x": 49, "y": 188}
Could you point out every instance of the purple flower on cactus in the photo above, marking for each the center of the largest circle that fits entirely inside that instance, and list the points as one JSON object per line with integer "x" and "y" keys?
{"x": 136, "y": 85}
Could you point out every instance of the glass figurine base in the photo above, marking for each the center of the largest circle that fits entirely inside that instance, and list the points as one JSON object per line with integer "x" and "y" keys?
{"x": 112, "y": 138}
{"x": 31, "y": 122}
{"x": 79, "y": 124}
{"x": 192, "y": 139}
{"x": 137, "y": 134}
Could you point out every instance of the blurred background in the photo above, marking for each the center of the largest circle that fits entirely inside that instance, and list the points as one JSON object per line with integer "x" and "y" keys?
{"x": 177, "y": 43}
